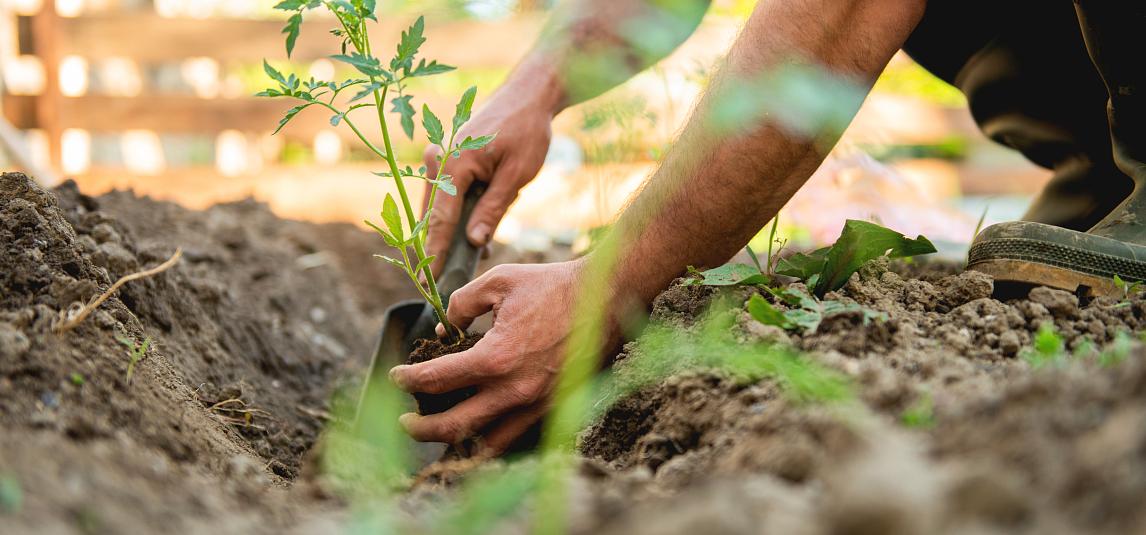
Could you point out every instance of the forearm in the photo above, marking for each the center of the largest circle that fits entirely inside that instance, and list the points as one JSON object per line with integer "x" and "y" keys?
{"x": 591, "y": 46}
{"x": 717, "y": 187}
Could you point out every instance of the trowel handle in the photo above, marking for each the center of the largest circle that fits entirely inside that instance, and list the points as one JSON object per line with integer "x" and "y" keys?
{"x": 462, "y": 258}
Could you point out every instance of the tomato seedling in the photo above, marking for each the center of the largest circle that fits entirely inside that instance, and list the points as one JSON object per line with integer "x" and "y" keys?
{"x": 380, "y": 83}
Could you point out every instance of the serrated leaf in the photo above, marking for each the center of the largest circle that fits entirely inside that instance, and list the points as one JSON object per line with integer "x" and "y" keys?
{"x": 392, "y": 218}
{"x": 274, "y": 74}
{"x": 763, "y": 311}
{"x": 406, "y": 111}
{"x": 292, "y": 29}
{"x": 432, "y": 125}
{"x": 475, "y": 143}
{"x": 408, "y": 46}
{"x": 446, "y": 184}
{"x": 368, "y": 65}
{"x": 464, "y": 108}
{"x": 367, "y": 90}
{"x": 270, "y": 93}
{"x": 860, "y": 242}
{"x": 290, "y": 114}
{"x": 392, "y": 261}
{"x": 367, "y": 9}
{"x": 731, "y": 275}
{"x": 430, "y": 69}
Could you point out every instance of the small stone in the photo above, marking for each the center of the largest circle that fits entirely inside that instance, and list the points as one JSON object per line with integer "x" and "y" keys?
{"x": 1009, "y": 343}
{"x": 1058, "y": 302}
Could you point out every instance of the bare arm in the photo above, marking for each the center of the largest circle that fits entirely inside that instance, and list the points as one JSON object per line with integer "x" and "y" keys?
{"x": 588, "y": 47}
{"x": 714, "y": 191}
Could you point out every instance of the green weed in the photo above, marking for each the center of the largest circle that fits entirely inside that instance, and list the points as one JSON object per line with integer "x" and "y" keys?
{"x": 135, "y": 353}
{"x": 381, "y": 83}
{"x": 1048, "y": 347}
{"x": 921, "y": 414}
{"x": 76, "y": 378}
{"x": 805, "y": 312}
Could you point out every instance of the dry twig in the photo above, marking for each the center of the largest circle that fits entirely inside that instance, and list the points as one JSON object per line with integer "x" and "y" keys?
{"x": 69, "y": 321}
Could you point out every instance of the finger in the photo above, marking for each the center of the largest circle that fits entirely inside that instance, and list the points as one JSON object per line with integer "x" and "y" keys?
{"x": 476, "y": 298}
{"x": 448, "y": 372}
{"x": 492, "y": 205}
{"x": 460, "y": 422}
{"x": 504, "y": 433}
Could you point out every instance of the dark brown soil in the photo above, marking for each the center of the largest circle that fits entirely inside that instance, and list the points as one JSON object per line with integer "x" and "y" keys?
{"x": 425, "y": 350}
{"x": 952, "y": 429}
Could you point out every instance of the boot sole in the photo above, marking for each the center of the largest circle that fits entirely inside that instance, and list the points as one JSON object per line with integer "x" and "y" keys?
{"x": 1037, "y": 254}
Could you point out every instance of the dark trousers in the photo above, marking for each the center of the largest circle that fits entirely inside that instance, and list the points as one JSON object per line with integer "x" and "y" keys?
{"x": 1056, "y": 80}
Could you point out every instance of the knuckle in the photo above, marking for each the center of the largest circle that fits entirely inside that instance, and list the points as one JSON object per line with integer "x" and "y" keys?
{"x": 451, "y": 430}
{"x": 500, "y": 366}
{"x": 523, "y": 393}
{"x": 427, "y": 379}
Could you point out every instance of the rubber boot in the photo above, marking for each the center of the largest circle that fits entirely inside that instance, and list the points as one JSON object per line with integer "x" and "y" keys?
{"x": 1087, "y": 262}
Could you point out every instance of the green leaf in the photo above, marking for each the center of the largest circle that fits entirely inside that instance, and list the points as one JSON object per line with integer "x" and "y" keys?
{"x": 368, "y": 65}
{"x": 297, "y": 5}
{"x": 290, "y": 114}
{"x": 1119, "y": 283}
{"x": 731, "y": 275}
{"x": 803, "y": 266}
{"x": 763, "y": 311}
{"x": 420, "y": 226}
{"x": 430, "y": 69}
{"x": 367, "y": 90}
{"x": 464, "y": 108}
{"x": 860, "y": 242}
{"x": 292, "y": 29}
{"x": 274, "y": 74}
{"x": 402, "y": 107}
{"x": 425, "y": 262}
{"x": 446, "y": 184}
{"x": 475, "y": 143}
{"x": 392, "y": 261}
{"x": 367, "y": 8}
{"x": 336, "y": 118}
{"x": 432, "y": 125}
{"x": 390, "y": 240}
{"x": 408, "y": 46}
{"x": 392, "y": 218}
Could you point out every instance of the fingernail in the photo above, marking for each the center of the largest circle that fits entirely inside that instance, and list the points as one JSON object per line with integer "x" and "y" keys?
{"x": 394, "y": 375}
{"x": 480, "y": 233}
{"x": 407, "y": 419}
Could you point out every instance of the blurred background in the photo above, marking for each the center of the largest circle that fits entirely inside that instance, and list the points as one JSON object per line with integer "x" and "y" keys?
{"x": 156, "y": 96}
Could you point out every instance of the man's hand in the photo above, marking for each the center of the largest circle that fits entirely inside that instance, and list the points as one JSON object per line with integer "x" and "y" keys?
{"x": 509, "y": 163}
{"x": 515, "y": 365}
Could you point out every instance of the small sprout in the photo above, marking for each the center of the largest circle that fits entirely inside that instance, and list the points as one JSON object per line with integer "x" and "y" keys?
{"x": 77, "y": 379}
{"x": 921, "y": 414}
{"x": 1048, "y": 347}
{"x": 1117, "y": 351}
{"x": 135, "y": 352}
{"x": 805, "y": 312}
{"x": 1129, "y": 289}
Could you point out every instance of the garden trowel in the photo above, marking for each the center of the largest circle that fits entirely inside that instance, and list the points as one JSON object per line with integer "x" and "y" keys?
{"x": 408, "y": 321}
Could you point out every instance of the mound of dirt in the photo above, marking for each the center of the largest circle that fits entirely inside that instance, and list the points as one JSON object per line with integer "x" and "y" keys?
{"x": 954, "y": 432}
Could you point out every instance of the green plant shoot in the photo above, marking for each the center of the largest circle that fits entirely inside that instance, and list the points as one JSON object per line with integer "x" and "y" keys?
{"x": 380, "y": 83}
{"x": 135, "y": 353}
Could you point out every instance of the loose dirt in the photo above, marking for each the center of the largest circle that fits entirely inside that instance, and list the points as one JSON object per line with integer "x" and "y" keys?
{"x": 425, "y": 350}
{"x": 953, "y": 428}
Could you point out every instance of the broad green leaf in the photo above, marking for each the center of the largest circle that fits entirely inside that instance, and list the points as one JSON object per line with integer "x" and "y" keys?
{"x": 392, "y": 218}
{"x": 763, "y": 311}
{"x": 475, "y": 143}
{"x": 292, "y": 29}
{"x": 860, "y": 242}
{"x": 731, "y": 275}
{"x": 464, "y": 108}
{"x": 402, "y": 107}
{"x": 803, "y": 266}
{"x": 367, "y": 8}
{"x": 432, "y": 125}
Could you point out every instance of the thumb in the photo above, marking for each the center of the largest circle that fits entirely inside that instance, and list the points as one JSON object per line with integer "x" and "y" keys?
{"x": 492, "y": 206}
